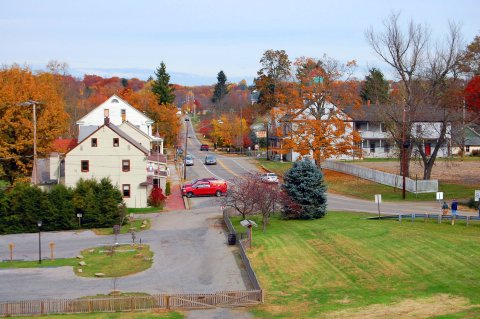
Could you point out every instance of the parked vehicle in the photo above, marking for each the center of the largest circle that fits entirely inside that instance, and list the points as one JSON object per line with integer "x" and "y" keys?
{"x": 210, "y": 160}
{"x": 206, "y": 188}
{"x": 204, "y": 147}
{"x": 179, "y": 151}
{"x": 189, "y": 160}
{"x": 206, "y": 179}
{"x": 269, "y": 178}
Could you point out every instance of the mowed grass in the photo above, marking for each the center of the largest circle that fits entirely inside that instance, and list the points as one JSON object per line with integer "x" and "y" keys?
{"x": 343, "y": 266}
{"x": 361, "y": 188}
{"x": 126, "y": 260}
{"x": 34, "y": 264}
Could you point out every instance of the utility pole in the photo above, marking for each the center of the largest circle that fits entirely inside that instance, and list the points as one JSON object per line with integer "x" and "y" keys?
{"x": 187, "y": 121}
{"x": 404, "y": 152}
{"x": 34, "y": 105}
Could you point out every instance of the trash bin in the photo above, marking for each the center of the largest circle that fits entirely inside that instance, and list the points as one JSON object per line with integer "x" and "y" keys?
{"x": 232, "y": 239}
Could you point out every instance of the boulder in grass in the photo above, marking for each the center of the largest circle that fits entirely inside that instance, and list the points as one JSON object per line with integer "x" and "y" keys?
{"x": 91, "y": 250}
{"x": 82, "y": 263}
{"x": 80, "y": 270}
{"x": 145, "y": 222}
{"x": 80, "y": 257}
{"x": 99, "y": 274}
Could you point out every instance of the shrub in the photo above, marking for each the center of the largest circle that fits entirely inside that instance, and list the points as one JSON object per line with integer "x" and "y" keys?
{"x": 306, "y": 192}
{"x": 475, "y": 152}
{"x": 156, "y": 198}
{"x": 472, "y": 203}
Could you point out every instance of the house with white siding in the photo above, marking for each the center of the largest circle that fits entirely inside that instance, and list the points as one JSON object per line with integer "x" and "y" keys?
{"x": 110, "y": 152}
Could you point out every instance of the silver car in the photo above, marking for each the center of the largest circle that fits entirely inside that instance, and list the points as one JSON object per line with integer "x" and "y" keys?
{"x": 210, "y": 160}
{"x": 269, "y": 178}
{"x": 189, "y": 160}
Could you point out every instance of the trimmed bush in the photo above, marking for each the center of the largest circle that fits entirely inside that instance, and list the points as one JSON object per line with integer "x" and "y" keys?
{"x": 156, "y": 198}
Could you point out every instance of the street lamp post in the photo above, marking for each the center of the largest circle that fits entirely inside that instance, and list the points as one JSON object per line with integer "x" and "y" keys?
{"x": 186, "y": 148}
{"x": 404, "y": 152}
{"x": 34, "y": 105}
{"x": 79, "y": 215}
{"x": 39, "y": 224}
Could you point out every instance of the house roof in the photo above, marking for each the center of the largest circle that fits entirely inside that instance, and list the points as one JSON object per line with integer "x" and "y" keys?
{"x": 375, "y": 112}
{"x": 154, "y": 138}
{"x": 472, "y": 135}
{"x": 121, "y": 134}
{"x": 63, "y": 145}
{"x": 109, "y": 102}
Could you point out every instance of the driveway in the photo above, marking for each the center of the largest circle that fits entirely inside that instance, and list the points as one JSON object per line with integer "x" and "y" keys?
{"x": 191, "y": 256}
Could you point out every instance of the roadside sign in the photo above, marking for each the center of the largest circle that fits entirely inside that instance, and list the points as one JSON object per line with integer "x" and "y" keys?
{"x": 261, "y": 134}
{"x": 378, "y": 198}
{"x": 439, "y": 195}
{"x": 477, "y": 195}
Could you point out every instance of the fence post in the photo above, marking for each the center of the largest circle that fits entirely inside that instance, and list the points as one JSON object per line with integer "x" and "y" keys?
{"x": 468, "y": 219}
{"x": 413, "y": 218}
{"x": 400, "y": 218}
{"x": 42, "y": 307}
{"x": 167, "y": 301}
{"x": 439, "y": 218}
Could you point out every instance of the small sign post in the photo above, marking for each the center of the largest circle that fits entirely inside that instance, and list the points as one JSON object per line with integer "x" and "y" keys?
{"x": 378, "y": 200}
{"x": 477, "y": 195}
{"x": 440, "y": 198}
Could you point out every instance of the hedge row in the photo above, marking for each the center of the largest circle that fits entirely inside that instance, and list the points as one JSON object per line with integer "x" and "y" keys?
{"x": 99, "y": 202}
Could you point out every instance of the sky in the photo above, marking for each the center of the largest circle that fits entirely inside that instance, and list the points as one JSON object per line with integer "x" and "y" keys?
{"x": 197, "y": 39}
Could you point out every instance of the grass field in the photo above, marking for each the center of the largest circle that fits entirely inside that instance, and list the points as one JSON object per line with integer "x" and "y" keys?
{"x": 126, "y": 260}
{"x": 344, "y": 266}
{"x": 34, "y": 264}
{"x": 144, "y": 210}
{"x": 361, "y": 188}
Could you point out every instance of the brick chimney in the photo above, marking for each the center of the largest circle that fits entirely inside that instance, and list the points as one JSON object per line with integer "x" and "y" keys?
{"x": 106, "y": 120}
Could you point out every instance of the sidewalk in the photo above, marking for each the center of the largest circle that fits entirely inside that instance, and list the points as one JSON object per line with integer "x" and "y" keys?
{"x": 174, "y": 201}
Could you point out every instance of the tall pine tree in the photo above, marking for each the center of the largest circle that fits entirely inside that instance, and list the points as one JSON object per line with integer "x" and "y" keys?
{"x": 161, "y": 87}
{"x": 375, "y": 88}
{"x": 220, "y": 88}
{"x": 306, "y": 192}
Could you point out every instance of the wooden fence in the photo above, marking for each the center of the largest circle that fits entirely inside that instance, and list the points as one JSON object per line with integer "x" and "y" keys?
{"x": 132, "y": 303}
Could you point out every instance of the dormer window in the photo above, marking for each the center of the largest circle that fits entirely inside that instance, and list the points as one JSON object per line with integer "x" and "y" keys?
{"x": 94, "y": 142}
{"x": 116, "y": 142}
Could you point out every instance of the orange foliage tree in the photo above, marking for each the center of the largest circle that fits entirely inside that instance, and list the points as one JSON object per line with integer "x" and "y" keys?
{"x": 313, "y": 109}
{"x": 19, "y": 84}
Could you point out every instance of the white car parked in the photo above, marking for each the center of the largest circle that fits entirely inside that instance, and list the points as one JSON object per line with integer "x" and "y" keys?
{"x": 269, "y": 178}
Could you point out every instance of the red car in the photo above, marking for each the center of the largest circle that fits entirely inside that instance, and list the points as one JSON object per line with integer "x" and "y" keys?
{"x": 205, "y": 188}
{"x": 204, "y": 147}
{"x": 206, "y": 179}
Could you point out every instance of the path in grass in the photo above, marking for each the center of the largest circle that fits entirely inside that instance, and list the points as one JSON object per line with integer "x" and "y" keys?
{"x": 318, "y": 268}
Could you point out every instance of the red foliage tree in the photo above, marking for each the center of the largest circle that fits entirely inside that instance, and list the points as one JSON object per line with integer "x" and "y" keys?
{"x": 156, "y": 198}
{"x": 472, "y": 94}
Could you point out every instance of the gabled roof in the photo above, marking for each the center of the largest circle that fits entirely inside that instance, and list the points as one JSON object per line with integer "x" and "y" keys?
{"x": 109, "y": 102}
{"x": 472, "y": 135}
{"x": 154, "y": 138}
{"x": 120, "y": 133}
{"x": 373, "y": 113}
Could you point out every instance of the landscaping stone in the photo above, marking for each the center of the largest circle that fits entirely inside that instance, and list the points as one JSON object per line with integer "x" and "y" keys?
{"x": 80, "y": 257}
{"x": 82, "y": 263}
{"x": 99, "y": 274}
{"x": 145, "y": 222}
{"x": 80, "y": 270}
{"x": 91, "y": 250}
{"x": 143, "y": 226}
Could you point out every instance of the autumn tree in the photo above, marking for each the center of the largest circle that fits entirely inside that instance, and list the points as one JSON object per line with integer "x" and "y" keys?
{"x": 375, "y": 88}
{"x": 470, "y": 59}
{"x": 313, "y": 109}
{"x": 161, "y": 87}
{"x": 427, "y": 78}
{"x": 472, "y": 95}
{"x": 276, "y": 68}
{"x": 19, "y": 84}
{"x": 220, "y": 89}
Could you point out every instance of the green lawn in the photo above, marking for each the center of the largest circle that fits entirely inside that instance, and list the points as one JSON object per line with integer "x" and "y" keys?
{"x": 344, "y": 265}
{"x": 126, "y": 260}
{"x": 34, "y": 264}
{"x": 144, "y": 210}
{"x": 361, "y": 188}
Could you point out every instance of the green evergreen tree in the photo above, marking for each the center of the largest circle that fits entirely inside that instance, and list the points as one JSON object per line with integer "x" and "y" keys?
{"x": 375, "y": 88}
{"x": 161, "y": 87}
{"x": 220, "y": 88}
{"x": 305, "y": 188}
{"x": 61, "y": 209}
